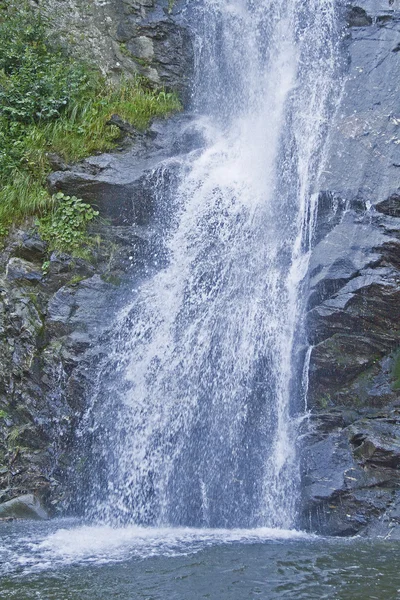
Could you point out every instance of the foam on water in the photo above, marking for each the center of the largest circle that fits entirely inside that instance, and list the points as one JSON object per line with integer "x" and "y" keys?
{"x": 102, "y": 544}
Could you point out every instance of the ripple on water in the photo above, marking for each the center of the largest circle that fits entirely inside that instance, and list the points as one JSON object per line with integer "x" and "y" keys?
{"x": 69, "y": 560}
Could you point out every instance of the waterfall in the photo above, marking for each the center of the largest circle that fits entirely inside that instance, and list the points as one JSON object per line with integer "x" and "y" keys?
{"x": 196, "y": 426}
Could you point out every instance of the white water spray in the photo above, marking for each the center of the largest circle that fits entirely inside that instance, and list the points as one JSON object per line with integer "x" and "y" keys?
{"x": 199, "y": 429}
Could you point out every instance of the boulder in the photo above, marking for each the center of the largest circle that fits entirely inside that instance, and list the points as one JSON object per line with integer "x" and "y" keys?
{"x": 23, "y": 507}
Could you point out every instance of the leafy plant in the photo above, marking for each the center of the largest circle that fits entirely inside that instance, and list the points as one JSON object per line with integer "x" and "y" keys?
{"x": 45, "y": 267}
{"x": 65, "y": 227}
{"x": 52, "y": 105}
{"x": 324, "y": 401}
{"x": 36, "y": 82}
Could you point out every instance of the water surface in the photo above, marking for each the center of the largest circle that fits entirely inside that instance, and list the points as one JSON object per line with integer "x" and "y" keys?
{"x": 66, "y": 560}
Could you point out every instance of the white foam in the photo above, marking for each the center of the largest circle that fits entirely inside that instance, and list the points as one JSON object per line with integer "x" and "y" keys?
{"x": 102, "y": 544}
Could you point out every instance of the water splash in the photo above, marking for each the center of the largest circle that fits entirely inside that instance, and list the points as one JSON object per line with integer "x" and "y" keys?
{"x": 198, "y": 430}
{"x": 71, "y": 543}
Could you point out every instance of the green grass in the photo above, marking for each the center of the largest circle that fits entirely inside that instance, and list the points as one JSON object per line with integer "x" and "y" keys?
{"x": 51, "y": 104}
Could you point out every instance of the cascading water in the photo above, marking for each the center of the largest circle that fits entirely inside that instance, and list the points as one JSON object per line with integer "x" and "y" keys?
{"x": 199, "y": 429}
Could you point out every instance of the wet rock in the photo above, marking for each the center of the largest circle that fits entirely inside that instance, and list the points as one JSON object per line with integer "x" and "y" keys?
{"x": 390, "y": 206}
{"x": 354, "y": 314}
{"x": 351, "y": 473}
{"x": 123, "y": 186}
{"x": 350, "y": 465}
{"x": 376, "y": 442}
{"x": 363, "y": 149}
{"x": 49, "y": 325}
{"x": 23, "y": 507}
{"x": 357, "y": 17}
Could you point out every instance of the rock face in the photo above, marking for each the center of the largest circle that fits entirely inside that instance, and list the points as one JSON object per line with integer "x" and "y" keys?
{"x": 127, "y": 37}
{"x": 352, "y": 439}
{"x": 50, "y": 321}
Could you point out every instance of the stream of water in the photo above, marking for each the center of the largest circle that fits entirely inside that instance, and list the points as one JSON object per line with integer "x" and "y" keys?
{"x": 208, "y": 356}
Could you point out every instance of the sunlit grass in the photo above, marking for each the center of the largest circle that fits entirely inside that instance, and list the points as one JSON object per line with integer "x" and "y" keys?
{"x": 83, "y": 129}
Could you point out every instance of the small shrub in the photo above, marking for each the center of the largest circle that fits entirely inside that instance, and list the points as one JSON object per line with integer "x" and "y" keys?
{"x": 65, "y": 227}
{"x": 45, "y": 267}
{"x": 36, "y": 82}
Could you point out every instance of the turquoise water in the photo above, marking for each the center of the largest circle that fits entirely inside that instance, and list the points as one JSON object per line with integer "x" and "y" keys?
{"x": 66, "y": 560}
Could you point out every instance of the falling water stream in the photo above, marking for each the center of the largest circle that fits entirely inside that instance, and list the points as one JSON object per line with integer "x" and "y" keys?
{"x": 191, "y": 485}
{"x": 208, "y": 352}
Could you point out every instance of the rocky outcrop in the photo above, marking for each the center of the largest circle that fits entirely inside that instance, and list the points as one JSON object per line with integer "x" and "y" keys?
{"x": 351, "y": 459}
{"x": 23, "y": 507}
{"x": 52, "y": 313}
{"x": 148, "y": 37}
{"x": 354, "y": 316}
{"x": 124, "y": 186}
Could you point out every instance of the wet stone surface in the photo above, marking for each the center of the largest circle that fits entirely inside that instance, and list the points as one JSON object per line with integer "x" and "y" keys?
{"x": 351, "y": 455}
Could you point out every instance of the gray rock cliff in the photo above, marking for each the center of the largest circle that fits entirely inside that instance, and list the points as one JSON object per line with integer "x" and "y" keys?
{"x": 352, "y": 438}
{"x": 126, "y": 37}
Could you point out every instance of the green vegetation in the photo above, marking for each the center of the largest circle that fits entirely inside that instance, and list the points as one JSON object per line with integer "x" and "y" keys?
{"x": 76, "y": 279}
{"x": 65, "y": 226}
{"x": 324, "y": 401}
{"x": 50, "y": 104}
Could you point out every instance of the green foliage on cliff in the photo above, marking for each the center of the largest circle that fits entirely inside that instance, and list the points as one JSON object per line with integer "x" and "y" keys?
{"x": 51, "y": 103}
{"x": 64, "y": 227}
{"x": 36, "y": 81}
